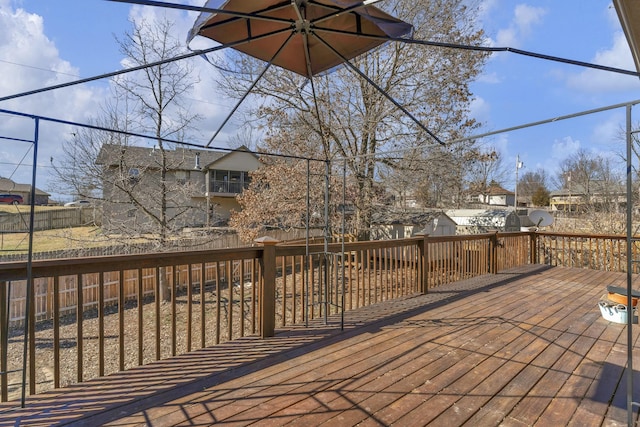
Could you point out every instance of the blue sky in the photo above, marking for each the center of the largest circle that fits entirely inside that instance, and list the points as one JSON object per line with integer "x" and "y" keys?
{"x": 49, "y": 42}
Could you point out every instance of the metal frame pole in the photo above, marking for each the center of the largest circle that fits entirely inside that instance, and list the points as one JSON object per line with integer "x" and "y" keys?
{"x": 630, "y": 312}
{"x": 327, "y": 236}
{"x": 344, "y": 207}
{"x": 306, "y": 250}
{"x": 29, "y": 327}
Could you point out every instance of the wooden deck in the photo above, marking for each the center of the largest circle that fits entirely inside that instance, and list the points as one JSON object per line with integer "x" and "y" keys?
{"x": 526, "y": 347}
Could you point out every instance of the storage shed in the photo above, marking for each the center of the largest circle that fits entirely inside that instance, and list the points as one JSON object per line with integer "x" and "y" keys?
{"x": 399, "y": 225}
{"x": 476, "y": 221}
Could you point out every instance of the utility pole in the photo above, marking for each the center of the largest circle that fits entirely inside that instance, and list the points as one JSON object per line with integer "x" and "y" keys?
{"x": 519, "y": 165}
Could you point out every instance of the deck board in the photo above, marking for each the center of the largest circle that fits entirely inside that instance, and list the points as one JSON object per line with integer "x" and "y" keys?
{"x": 526, "y": 347}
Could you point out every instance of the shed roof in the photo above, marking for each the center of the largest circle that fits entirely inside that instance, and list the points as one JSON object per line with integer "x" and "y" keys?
{"x": 407, "y": 217}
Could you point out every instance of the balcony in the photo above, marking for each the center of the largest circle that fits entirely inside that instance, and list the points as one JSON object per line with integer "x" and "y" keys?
{"x": 466, "y": 330}
{"x": 228, "y": 183}
{"x": 219, "y": 188}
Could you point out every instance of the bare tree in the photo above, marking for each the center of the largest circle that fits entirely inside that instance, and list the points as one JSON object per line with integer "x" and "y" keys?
{"x": 594, "y": 181}
{"x": 533, "y": 185}
{"x": 140, "y": 196}
{"x": 157, "y": 99}
{"x": 485, "y": 169}
{"x": 350, "y": 119}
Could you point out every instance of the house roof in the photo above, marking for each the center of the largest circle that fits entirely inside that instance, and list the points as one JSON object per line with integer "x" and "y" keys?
{"x": 9, "y": 186}
{"x": 629, "y": 15}
{"x": 145, "y": 157}
{"x": 230, "y": 153}
{"x": 496, "y": 190}
{"x": 595, "y": 187}
{"x": 178, "y": 159}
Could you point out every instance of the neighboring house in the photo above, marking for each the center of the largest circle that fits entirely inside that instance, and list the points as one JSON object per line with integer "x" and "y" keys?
{"x": 598, "y": 195}
{"x": 495, "y": 195}
{"x": 8, "y": 186}
{"x": 227, "y": 176}
{"x": 399, "y": 225}
{"x": 203, "y": 184}
{"x": 476, "y": 221}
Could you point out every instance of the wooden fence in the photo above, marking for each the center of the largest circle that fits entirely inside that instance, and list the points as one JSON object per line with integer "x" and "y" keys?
{"x": 18, "y": 222}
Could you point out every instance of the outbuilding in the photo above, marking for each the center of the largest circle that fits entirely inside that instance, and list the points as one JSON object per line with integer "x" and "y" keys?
{"x": 402, "y": 224}
{"x": 477, "y": 221}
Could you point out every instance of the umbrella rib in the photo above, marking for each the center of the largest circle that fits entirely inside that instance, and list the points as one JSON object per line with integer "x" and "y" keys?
{"x": 481, "y": 49}
{"x": 203, "y": 9}
{"x": 249, "y": 89}
{"x": 254, "y": 16}
{"x": 379, "y": 89}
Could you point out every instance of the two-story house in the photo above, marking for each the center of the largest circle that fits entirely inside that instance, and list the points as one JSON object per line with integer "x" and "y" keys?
{"x": 200, "y": 186}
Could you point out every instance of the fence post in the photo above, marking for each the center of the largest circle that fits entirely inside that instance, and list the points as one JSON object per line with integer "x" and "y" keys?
{"x": 423, "y": 259}
{"x": 268, "y": 291}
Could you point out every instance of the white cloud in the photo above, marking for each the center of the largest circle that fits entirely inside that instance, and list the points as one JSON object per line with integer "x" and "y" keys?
{"x": 596, "y": 81}
{"x": 29, "y": 60}
{"x": 525, "y": 17}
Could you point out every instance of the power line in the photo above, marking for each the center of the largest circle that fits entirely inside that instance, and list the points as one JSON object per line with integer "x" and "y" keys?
{"x": 39, "y": 68}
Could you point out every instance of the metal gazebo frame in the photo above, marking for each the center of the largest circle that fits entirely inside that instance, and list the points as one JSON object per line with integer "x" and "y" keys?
{"x": 304, "y": 27}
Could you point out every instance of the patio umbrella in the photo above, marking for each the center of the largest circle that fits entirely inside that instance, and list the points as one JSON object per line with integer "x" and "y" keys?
{"x": 317, "y": 35}
{"x": 304, "y": 36}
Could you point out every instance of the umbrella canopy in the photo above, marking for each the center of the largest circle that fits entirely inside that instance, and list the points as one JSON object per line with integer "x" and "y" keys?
{"x": 304, "y": 36}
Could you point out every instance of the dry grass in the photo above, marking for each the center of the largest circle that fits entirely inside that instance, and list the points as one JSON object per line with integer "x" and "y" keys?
{"x": 52, "y": 240}
{"x": 25, "y": 208}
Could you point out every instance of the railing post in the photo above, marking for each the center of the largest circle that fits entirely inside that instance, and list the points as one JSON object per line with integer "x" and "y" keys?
{"x": 268, "y": 291}
{"x": 5, "y": 307}
{"x": 493, "y": 253}
{"x": 533, "y": 247}
{"x": 423, "y": 259}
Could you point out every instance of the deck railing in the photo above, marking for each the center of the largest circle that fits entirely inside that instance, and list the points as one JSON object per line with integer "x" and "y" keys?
{"x": 597, "y": 252}
{"x": 93, "y": 316}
